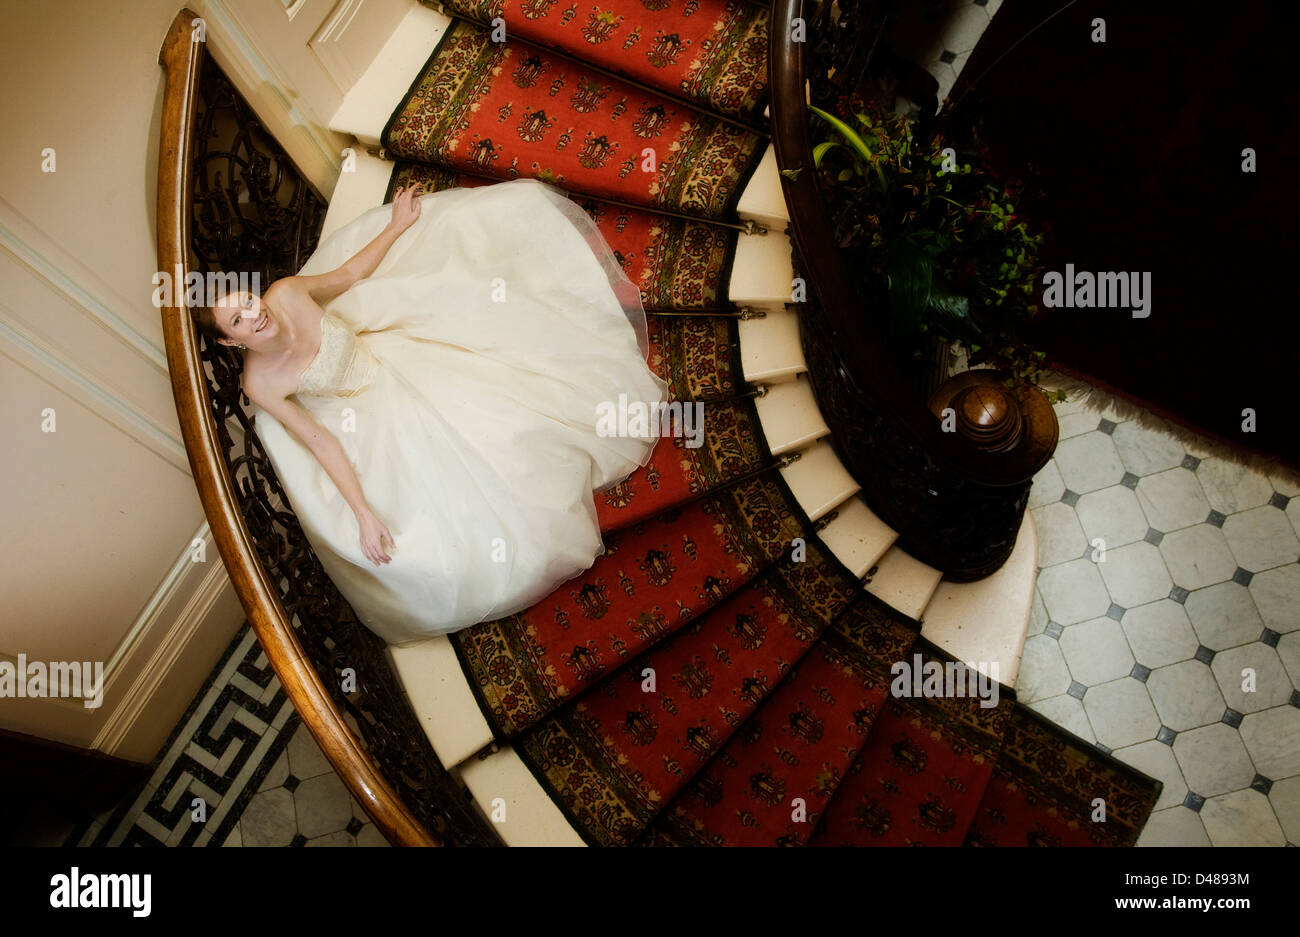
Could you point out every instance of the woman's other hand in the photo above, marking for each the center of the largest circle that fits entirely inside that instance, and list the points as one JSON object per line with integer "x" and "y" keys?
{"x": 406, "y": 207}
{"x": 373, "y": 537}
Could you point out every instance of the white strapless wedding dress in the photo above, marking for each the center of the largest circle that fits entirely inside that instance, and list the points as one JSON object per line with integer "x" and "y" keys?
{"x": 465, "y": 379}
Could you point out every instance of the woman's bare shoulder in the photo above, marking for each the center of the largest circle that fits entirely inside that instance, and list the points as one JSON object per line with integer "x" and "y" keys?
{"x": 292, "y": 290}
{"x": 293, "y": 297}
{"x": 264, "y": 383}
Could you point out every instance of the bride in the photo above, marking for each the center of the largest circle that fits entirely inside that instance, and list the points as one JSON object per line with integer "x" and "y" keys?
{"x": 428, "y": 389}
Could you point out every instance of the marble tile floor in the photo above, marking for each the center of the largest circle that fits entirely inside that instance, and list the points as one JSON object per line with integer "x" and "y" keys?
{"x": 940, "y": 35}
{"x": 1165, "y": 625}
{"x": 243, "y": 751}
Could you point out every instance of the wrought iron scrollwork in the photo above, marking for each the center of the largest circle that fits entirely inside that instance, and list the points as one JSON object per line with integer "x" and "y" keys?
{"x": 253, "y": 211}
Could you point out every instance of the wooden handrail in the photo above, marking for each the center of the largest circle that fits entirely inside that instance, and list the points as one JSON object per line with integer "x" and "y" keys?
{"x": 812, "y": 229}
{"x": 181, "y": 57}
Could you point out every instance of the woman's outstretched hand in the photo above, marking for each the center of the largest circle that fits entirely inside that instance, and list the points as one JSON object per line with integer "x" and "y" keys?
{"x": 373, "y": 537}
{"x": 406, "y": 207}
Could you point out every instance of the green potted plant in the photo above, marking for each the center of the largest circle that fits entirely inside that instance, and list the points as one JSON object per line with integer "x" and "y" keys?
{"x": 945, "y": 252}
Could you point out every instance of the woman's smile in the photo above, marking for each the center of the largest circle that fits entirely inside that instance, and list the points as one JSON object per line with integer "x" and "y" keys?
{"x": 262, "y": 323}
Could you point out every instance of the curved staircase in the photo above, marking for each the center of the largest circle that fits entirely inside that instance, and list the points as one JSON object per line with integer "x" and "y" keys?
{"x": 722, "y": 674}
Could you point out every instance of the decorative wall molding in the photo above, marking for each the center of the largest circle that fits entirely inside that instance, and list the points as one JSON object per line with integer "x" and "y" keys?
{"x": 52, "y": 365}
{"x": 340, "y": 18}
{"x": 349, "y": 41}
{"x": 194, "y": 603}
{"x": 327, "y": 44}
{"x": 200, "y": 586}
{"x": 31, "y": 247}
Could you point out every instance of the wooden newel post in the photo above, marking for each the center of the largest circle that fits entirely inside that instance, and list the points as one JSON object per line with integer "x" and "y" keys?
{"x": 998, "y": 418}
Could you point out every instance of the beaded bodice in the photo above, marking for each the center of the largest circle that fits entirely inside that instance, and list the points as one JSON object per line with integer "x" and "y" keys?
{"x": 343, "y": 367}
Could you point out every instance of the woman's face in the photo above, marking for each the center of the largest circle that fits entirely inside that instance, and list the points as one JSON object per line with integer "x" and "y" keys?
{"x": 245, "y": 320}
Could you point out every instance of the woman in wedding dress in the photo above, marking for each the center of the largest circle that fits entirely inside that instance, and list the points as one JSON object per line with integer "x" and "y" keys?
{"x": 430, "y": 390}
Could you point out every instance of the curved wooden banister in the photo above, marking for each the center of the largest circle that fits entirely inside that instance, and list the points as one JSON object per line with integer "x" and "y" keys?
{"x": 812, "y": 230}
{"x": 181, "y": 57}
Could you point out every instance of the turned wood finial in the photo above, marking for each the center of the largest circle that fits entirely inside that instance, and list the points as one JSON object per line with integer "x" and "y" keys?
{"x": 988, "y": 416}
{"x": 983, "y": 407}
{"x": 998, "y": 418}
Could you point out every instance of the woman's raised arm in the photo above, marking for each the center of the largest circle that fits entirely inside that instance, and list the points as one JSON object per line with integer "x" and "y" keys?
{"x": 325, "y": 286}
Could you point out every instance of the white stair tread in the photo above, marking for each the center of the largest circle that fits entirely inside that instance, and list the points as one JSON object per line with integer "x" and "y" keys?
{"x": 762, "y": 200}
{"x": 531, "y": 817}
{"x": 371, "y": 101}
{"x": 442, "y": 699}
{"x": 819, "y": 480}
{"x": 358, "y": 191}
{"x": 857, "y": 537}
{"x": 904, "y": 583}
{"x": 770, "y": 349}
{"x": 986, "y": 622}
{"x": 762, "y": 274}
{"x": 789, "y": 416}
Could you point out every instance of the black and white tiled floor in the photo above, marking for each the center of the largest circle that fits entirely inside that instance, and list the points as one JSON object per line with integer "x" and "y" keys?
{"x": 243, "y": 750}
{"x": 1165, "y": 624}
{"x": 940, "y": 35}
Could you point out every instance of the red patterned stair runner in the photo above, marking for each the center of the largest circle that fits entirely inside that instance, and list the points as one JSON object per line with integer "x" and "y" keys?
{"x": 653, "y": 579}
{"x": 1045, "y": 791}
{"x": 615, "y": 756}
{"x": 509, "y": 109}
{"x": 773, "y": 779}
{"x": 772, "y": 721}
{"x": 678, "y": 472}
{"x": 919, "y": 778}
{"x": 711, "y": 52}
{"x": 699, "y": 356}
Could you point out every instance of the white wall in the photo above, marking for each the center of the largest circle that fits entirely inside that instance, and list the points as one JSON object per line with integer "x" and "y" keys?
{"x": 100, "y": 515}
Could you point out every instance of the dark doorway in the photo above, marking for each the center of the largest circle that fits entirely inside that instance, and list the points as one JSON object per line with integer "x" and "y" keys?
{"x": 1133, "y": 150}
{"x": 48, "y": 790}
